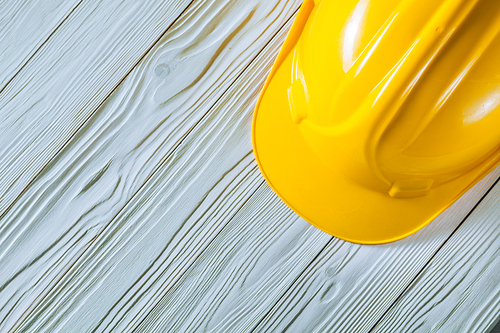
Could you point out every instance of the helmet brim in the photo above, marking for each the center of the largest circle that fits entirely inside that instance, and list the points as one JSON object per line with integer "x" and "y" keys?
{"x": 325, "y": 198}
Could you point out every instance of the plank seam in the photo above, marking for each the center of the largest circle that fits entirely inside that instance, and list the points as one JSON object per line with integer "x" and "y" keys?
{"x": 226, "y": 173}
{"x": 34, "y": 305}
{"x": 192, "y": 128}
{"x": 208, "y": 244}
{"x": 47, "y": 291}
{"x": 38, "y": 49}
{"x": 160, "y": 164}
{"x": 91, "y": 114}
{"x": 293, "y": 283}
{"x": 416, "y": 277}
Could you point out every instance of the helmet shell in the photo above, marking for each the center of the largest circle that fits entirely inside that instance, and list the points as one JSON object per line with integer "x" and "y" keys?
{"x": 401, "y": 91}
{"x": 379, "y": 114}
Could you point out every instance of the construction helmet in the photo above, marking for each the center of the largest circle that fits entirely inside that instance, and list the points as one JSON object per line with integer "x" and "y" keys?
{"x": 379, "y": 114}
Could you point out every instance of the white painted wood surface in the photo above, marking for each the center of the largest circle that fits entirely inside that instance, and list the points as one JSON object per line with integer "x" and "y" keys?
{"x": 349, "y": 287}
{"x": 24, "y": 27}
{"x": 459, "y": 289}
{"x": 167, "y": 94}
{"x": 68, "y": 78}
{"x": 243, "y": 272}
{"x": 154, "y": 217}
{"x": 346, "y": 288}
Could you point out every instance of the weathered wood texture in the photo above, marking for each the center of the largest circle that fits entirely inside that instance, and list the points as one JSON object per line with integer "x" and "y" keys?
{"x": 154, "y": 216}
{"x": 71, "y": 207}
{"x": 349, "y": 287}
{"x": 346, "y": 288}
{"x": 24, "y": 27}
{"x": 243, "y": 272}
{"x": 68, "y": 78}
{"x": 459, "y": 289}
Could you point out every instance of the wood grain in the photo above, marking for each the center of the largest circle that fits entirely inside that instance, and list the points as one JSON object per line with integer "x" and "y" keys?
{"x": 72, "y": 204}
{"x": 349, "y": 287}
{"x": 459, "y": 289}
{"x": 154, "y": 217}
{"x": 68, "y": 78}
{"x": 119, "y": 278}
{"x": 167, "y": 225}
{"x": 24, "y": 27}
{"x": 243, "y": 272}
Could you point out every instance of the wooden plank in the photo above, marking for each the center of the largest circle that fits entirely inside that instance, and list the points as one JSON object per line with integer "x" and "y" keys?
{"x": 117, "y": 269}
{"x": 344, "y": 289}
{"x": 128, "y": 243}
{"x": 349, "y": 287}
{"x": 24, "y": 26}
{"x": 68, "y": 78}
{"x": 243, "y": 272}
{"x": 166, "y": 226}
{"x": 68, "y": 209}
{"x": 117, "y": 281}
{"x": 459, "y": 290}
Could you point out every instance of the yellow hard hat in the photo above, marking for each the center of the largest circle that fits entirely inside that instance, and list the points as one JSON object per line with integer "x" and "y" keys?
{"x": 378, "y": 114}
